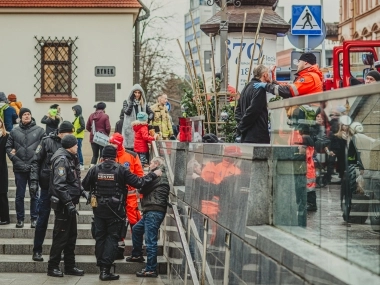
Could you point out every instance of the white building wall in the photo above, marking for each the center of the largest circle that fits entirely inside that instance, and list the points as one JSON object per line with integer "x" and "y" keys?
{"x": 103, "y": 40}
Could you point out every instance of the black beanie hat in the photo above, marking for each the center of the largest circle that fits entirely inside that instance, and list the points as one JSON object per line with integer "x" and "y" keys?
{"x": 66, "y": 127}
{"x": 22, "y": 111}
{"x": 375, "y": 74}
{"x": 54, "y": 106}
{"x": 69, "y": 141}
{"x": 210, "y": 138}
{"x": 309, "y": 58}
{"x": 101, "y": 106}
{"x": 109, "y": 151}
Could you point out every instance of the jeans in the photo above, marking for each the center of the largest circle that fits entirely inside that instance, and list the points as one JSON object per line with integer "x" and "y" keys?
{"x": 107, "y": 236}
{"x": 96, "y": 152}
{"x": 42, "y": 221}
{"x": 80, "y": 155}
{"x": 149, "y": 224}
{"x": 64, "y": 239}
{"x": 21, "y": 179}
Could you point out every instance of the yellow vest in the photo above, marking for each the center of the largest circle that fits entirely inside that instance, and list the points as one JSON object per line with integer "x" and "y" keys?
{"x": 77, "y": 126}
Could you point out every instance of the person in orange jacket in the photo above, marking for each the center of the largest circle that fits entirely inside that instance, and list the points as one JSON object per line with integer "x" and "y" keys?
{"x": 17, "y": 105}
{"x": 131, "y": 161}
{"x": 308, "y": 79}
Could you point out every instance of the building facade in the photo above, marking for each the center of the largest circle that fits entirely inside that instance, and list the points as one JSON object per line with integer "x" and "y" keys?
{"x": 359, "y": 20}
{"x": 69, "y": 53}
{"x": 201, "y": 12}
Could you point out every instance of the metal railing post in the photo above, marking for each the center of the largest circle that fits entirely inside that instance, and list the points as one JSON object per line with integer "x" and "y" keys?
{"x": 205, "y": 234}
{"x": 189, "y": 212}
{"x": 227, "y": 243}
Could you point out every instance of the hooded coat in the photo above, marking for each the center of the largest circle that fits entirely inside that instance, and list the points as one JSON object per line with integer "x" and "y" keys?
{"x": 142, "y": 137}
{"x": 78, "y": 123}
{"x": 102, "y": 123}
{"x": 131, "y": 108}
{"x": 7, "y": 113}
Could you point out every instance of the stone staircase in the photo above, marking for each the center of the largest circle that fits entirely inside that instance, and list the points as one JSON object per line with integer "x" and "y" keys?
{"x": 16, "y": 244}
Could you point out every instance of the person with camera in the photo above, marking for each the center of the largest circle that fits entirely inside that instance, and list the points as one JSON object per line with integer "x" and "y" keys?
{"x": 40, "y": 174}
{"x": 107, "y": 185}
{"x": 65, "y": 189}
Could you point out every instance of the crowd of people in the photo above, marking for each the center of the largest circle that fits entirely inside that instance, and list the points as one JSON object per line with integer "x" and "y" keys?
{"x": 50, "y": 161}
{"x": 313, "y": 130}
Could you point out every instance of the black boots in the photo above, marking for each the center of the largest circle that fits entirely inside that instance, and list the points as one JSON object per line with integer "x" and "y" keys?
{"x": 106, "y": 275}
{"x": 55, "y": 272}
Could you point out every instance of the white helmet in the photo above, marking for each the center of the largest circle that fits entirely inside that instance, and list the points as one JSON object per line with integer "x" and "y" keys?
{"x": 356, "y": 128}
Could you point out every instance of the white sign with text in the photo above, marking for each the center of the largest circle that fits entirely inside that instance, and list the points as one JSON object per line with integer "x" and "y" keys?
{"x": 234, "y": 43}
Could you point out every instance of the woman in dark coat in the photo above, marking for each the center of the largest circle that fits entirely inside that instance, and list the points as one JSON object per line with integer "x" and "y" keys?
{"x": 4, "y": 207}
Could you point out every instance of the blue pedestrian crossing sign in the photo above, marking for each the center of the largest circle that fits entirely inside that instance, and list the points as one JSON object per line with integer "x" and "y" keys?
{"x": 306, "y": 20}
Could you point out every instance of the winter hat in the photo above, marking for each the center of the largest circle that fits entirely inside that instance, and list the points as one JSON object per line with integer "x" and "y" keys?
{"x": 3, "y": 98}
{"x": 210, "y": 138}
{"x": 232, "y": 150}
{"x": 101, "y": 106}
{"x": 109, "y": 151}
{"x": 117, "y": 139}
{"x": 54, "y": 106}
{"x": 12, "y": 98}
{"x": 69, "y": 141}
{"x": 53, "y": 112}
{"x": 142, "y": 117}
{"x": 66, "y": 127}
{"x": 22, "y": 111}
{"x": 309, "y": 58}
{"x": 375, "y": 74}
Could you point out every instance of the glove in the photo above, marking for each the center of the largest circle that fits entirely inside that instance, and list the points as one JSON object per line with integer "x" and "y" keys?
{"x": 85, "y": 195}
{"x": 130, "y": 108}
{"x": 33, "y": 188}
{"x": 71, "y": 209}
{"x": 258, "y": 85}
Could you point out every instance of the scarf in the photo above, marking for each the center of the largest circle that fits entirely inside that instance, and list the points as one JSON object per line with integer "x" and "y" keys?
{"x": 3, "y": 107}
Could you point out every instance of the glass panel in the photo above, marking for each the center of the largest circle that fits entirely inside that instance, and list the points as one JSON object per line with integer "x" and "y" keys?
{"x": 340, "y": 149}
{"x": 56, "y": 79}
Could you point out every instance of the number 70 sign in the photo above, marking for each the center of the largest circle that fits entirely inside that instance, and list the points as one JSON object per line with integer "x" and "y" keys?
{"x": 233, "y": 49}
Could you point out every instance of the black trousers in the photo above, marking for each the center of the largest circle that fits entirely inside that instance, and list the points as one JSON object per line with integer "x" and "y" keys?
{"x": 4, "y": 207}
{"x": 64, "y": 240}
{"x": 107, "y": 236}
{"x": 96, "y": 152}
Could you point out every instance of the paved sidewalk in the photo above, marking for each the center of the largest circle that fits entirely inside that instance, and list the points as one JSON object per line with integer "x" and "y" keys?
{"x": 88, "y": 279}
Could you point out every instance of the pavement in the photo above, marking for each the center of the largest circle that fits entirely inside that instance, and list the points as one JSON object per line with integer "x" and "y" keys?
{"x": 88, "y": 279}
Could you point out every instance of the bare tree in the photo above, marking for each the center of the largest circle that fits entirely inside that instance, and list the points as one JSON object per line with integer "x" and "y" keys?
{"x": 156, "y": 60}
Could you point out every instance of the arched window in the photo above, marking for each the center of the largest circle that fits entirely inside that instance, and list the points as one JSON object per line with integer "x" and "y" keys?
{"x": 356, "y": 36}
{"x": 341, "y": 39}
{"x": 366, "y": 35}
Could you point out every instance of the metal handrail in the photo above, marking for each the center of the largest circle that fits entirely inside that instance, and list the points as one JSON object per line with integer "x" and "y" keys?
{"x": 342, "y": 93}
{"x": 181, "y": 232}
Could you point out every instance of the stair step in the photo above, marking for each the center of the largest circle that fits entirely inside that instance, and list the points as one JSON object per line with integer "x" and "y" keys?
{"x": 82, "y": 204}
{"x": 10, "y": 231}
{"x": 85, "y": 217}
{"x": 23, "y": 263}
{"x": 83, "y": 246}
{"x": 42, "y": 278}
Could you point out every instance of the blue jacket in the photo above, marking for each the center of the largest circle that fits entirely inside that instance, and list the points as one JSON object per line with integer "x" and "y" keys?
{"x": 10, "y": 117}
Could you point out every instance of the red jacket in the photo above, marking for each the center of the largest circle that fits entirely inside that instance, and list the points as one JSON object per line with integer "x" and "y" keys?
{"x": 142, "y": 137}
{"x": 102, "y": 123}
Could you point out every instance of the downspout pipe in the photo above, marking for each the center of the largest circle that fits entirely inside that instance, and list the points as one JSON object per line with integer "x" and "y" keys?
{"x": 136, "y": 73}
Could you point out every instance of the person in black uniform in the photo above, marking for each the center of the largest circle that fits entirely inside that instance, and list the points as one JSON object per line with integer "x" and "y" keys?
{"x": 40, "y": 173}
{"x": 107, "y": 185}
{"x": 65, "y": 188}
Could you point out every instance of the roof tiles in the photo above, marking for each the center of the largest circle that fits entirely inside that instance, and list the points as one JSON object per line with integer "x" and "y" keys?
{"x": 69, "y": 4}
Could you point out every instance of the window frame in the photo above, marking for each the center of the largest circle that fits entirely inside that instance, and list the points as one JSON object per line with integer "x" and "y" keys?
{"x": 56, "y": 63}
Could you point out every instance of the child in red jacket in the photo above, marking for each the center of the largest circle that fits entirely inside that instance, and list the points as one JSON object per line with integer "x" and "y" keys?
{"x": 142, "y": 137}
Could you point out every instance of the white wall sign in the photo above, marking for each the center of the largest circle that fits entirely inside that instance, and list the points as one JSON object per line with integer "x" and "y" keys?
{"x": 234, "y": 40}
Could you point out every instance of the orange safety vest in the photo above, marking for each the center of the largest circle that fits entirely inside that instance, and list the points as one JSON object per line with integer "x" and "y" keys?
{"x": 131, "y": 162}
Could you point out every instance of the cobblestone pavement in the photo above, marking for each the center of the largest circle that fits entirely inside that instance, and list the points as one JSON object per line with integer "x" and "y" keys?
{"x": 88, "y": 279}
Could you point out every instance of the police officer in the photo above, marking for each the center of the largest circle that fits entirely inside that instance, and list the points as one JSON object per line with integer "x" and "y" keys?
{"x": 107, "y": 183}
{"x": 65, "y": 188}
{"x": 40, "y": 173}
